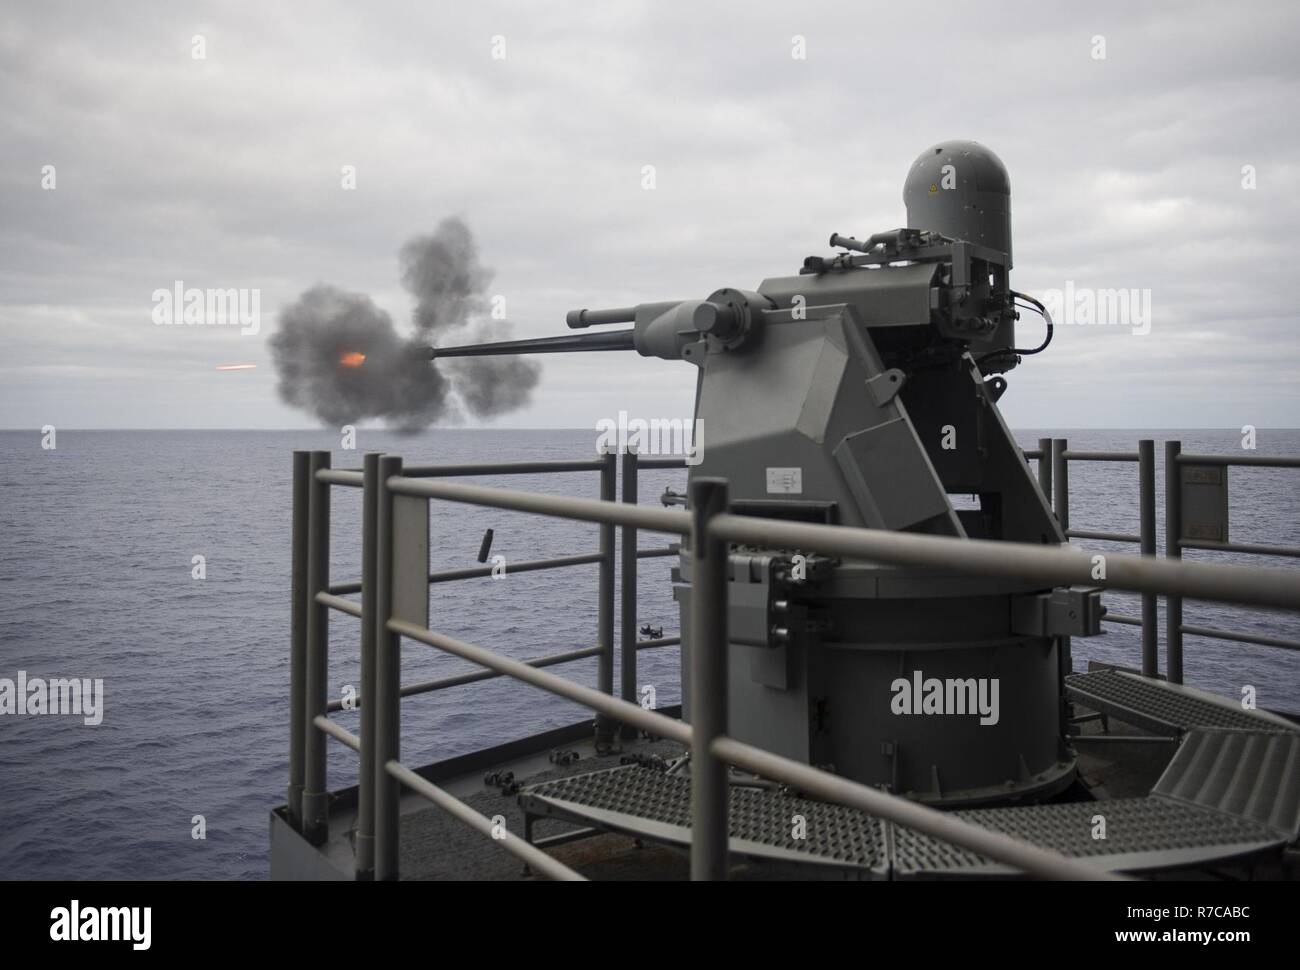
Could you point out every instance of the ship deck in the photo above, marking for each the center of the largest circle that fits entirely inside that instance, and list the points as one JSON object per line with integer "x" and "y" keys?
{"x": 1121, "y": 762}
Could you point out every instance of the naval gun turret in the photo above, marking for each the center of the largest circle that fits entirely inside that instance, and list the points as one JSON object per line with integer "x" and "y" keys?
{"x": 862, "y": 391}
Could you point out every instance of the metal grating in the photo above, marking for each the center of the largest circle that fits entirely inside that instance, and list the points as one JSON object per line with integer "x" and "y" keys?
{"x": 1165, "y": 708}
{"x": 1140, "y": 834}
{"x": 1225, "y": 794}
{"x": 1250, "y": 774}
{"x": 645, "y": 802}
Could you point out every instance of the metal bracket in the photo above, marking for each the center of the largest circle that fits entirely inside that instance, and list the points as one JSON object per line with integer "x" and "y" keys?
{"x": 884, "y": 387}
{"x": 761, "y": 614}
{"x": 1067, "y": 611}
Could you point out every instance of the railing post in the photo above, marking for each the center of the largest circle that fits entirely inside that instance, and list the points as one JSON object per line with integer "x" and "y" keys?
{"x": 1045, "y": 467}
{"x": 606, "y": 729}
{"x": 1173, "y": 550}
{"x": 386, "y": 695}
{"x": 315, "y": 801}
{"x": 627, "y": 590}
{"x": 366, "y": 779}
{"x": 1060, "y": 476}
{"x": 709, "y": 798}
{"x": 298, "y": 636}
{"x": 1147, "y": 531}
{"x": 1061, "y": 483}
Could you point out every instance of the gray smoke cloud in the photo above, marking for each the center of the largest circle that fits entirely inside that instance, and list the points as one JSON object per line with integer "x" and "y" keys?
{"x": 321, "y": 334}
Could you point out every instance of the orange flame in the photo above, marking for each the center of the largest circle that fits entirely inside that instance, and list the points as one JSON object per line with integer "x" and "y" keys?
{"x": 352, "y": 358}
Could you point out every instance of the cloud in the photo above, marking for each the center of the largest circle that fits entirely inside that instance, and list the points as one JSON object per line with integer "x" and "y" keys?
{"x": 226, "y": 172}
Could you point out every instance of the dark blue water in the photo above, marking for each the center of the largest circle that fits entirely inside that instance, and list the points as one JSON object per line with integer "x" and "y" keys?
{"x": 96, "y": 542}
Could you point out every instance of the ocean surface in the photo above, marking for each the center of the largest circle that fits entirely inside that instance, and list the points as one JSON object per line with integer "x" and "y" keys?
{"x": 97, "y": 540}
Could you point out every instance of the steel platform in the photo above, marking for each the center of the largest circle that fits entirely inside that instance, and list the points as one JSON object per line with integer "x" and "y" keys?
{"x": 1163, "y": 708}
{"x": 1226, "y": 795}
{"x": 648, "y": 803}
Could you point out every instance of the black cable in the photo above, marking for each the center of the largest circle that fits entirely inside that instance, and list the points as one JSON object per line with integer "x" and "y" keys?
{"x": 1047, "y": 319}
{"x": 1030, "y": 304}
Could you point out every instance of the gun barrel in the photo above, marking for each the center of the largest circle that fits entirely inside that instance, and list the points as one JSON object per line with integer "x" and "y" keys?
{"x": 568, "y": 343}
{"x": 579, "y": 319}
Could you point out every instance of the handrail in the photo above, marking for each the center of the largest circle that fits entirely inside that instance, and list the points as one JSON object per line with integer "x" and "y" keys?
{"x": 1175, "y": 459}
{"x": 1044, "y": 565}
{"x": 474, "y": 676}
{"x": 561, "y": 506}
{"x": 1000, "y": 847}
{"x": 707, "y": 526}
{"x": 597, "y": 701}
{"x": 1245, "y": 461}
{"x": 475, "y": 572}
{"x": 1015, "y": 560}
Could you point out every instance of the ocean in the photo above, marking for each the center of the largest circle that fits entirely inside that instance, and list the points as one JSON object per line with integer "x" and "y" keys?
{"x": 98, "y": 540}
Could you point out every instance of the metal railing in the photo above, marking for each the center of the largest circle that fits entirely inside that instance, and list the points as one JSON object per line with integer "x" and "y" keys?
{"x": 1054, "y": 455}
{"x": 1175, "y": 543}
{"x": 708, "y": 527}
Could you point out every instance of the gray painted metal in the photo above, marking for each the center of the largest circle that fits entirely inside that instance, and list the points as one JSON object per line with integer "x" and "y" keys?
{"x": 566, "y": 344}
{"x": 365, "y": 845}
{"x": 339, "y": 603}
{"x": 1120, "y": 456}
{"x": 1147, "y": 546}
{"x": 1126, "y": 619}
{"x": 532, "y": 856}
{"x": 477, "y": 572}
{"x": 339, "y": 476}
{"x": 962, "y": 190}
{"x": 1282, "y": 643}
{"x": 1044, "y": 456}
{"x": 1173, "y": 553}
{"x": 948, "y": 827}
{"x": 561, "y": 506}
{"x": 628, "y": 555}
{"x": 618, "y": 709}
{"x": 1247, "y": 585}
{"x": 1225, "y": 794}
{"x": 1104, "y": 536}
{"x": 1061, "y": 509}
{"x": 473, "y": 676}
{"x": 298, "y": 638}
{"x": 388, "y": 682}
{"x": 337, "y": 731}
{"x": 708, "y": 682}
{"x": 1163, "y": 707}
{"x": 547, "y": 467}
{"x": 1257, "y": 461}
{"x": 1142, "y": 834}
{"x": 606, "y": 730}
{"x": 1251, "y": 774}
{"x": 409, "y": 551}
{"x": 761, "y": 823}
{"x": 1255, "y": 548}
{"x": 315, "y": 796}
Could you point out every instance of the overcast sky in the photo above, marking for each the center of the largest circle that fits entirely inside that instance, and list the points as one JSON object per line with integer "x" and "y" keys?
{"x": 225, "y": 171}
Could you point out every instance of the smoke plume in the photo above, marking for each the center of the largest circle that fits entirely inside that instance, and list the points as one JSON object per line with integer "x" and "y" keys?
{"x": 340, "y": 356}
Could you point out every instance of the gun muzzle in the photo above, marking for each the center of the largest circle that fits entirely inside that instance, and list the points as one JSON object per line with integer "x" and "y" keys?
{"x": 580, "y": 319}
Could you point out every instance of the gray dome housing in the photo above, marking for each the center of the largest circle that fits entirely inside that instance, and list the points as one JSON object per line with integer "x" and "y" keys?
{"x": 971, "y": 200}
